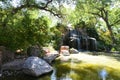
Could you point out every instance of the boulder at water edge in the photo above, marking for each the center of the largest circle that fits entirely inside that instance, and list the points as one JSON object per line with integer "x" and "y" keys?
{"x": 36, "y": 66}
{"x": 50, "y": 57}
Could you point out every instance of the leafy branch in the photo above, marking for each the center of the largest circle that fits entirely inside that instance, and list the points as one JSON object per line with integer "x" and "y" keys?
{"x": 45, "y": 7}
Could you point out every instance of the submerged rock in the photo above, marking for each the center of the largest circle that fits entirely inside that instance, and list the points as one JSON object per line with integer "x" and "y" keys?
{"x": 35, "y": 66}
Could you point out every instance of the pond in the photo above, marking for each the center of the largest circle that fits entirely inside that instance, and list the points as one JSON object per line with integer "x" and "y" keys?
{"x": 77, "y": 70}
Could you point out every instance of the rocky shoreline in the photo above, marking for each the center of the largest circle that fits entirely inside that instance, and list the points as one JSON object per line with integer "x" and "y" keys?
{"x": 33, "y": 66}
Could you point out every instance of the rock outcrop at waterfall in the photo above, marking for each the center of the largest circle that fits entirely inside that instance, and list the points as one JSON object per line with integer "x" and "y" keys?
{"x": 74, "y": 38}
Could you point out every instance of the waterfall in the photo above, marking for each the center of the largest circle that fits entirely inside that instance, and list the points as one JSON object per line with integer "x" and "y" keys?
{"x": 94, "y": 43}
{"x": 86, "y": 40}
{"x": 78, "y": 44}
{"x": 75, "y": 39}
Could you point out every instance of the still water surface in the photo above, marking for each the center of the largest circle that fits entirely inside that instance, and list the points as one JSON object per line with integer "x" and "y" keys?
{"x": 71, "y": 70}
{"x": 60, "y": 72}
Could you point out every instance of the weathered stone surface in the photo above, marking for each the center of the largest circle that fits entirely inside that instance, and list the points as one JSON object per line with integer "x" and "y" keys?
{"x": 12, "y": 68}
{"x": 72, "y": 50}
{"x": 64, "y": 48}
{"x": 50, "y": 57}
{"x": 35, "y": 66}
{"x": 65, "y": 52}
{"x": 14, "y": 65}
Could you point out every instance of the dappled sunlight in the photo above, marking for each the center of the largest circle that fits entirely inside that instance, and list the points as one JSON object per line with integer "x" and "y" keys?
{"x": 99, "y": 59}
{"x": 84, "y": 66}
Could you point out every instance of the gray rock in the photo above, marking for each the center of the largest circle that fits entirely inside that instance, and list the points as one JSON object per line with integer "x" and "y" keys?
{"x": 35, "y": 66}
{"x": 12, "y": 68}
{"x": 72, "y": 50}
{"x": 65, "y": 52}
{"x": 14, "y": 65}
{"x": 51, "y": 57}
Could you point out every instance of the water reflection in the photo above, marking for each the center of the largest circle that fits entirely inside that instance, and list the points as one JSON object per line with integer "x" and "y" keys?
{"x": 66, "y": 78}
{"x": 63, "y": 77}
{"x": 53, "y": 75}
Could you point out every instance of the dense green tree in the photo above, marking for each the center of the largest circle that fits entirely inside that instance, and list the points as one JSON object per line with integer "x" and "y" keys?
{"x": 24, "y": 20}
{"x": 101, "y": 9}
{"x": 22, "y": 25}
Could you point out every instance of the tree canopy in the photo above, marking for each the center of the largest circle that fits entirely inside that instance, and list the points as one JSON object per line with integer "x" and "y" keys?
{"x": 26, "y": 22}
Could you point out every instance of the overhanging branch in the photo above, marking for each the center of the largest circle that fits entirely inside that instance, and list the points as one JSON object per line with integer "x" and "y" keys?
{"x": 115, "y": 22}
{"x": 45, "y": 8}
{"x": 49, "y": 1}
{"x": 97, "y": 14}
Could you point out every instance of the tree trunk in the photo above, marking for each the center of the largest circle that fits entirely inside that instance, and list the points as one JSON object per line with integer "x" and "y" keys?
{"x": 111, "y": 33}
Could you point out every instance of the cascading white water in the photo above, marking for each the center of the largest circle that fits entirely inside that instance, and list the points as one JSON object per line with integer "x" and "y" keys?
{"x": 94, "y": 43}
{"x": 86, "y": 40}
{"x": 78, "y": 44}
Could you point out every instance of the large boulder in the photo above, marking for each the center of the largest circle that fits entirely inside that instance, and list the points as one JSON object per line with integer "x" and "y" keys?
{"x": 36, "y": 66}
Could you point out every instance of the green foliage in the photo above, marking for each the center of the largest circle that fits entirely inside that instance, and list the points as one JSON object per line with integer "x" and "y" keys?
{"x": 103, "y": 12}
{"x": 57, "y": 33}
{"x": 23, "y": 30}
{"x": 21, "y": 26}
